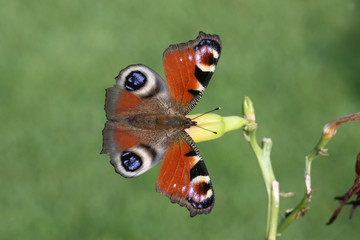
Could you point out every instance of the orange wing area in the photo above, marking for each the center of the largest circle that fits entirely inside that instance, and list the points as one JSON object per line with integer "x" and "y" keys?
{"x": 184, "y": 179}
{"x": 126, "y": 101}
{"x": 174, "y": 176}
{"x": 179, "y": 66}
{"x": 124, "y": 139}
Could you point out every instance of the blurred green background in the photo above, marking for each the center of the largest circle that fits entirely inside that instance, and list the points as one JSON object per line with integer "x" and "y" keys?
{"x": 297, "y": 60}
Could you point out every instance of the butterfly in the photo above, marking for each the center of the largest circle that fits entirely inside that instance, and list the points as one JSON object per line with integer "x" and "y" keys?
{"x": 147, "y": 122}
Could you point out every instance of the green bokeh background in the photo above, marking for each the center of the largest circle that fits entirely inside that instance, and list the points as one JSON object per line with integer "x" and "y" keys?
{"x": 299, "y": 61}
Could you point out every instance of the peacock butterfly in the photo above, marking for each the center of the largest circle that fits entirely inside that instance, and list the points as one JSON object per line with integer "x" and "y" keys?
{"x": 147, "y": 122}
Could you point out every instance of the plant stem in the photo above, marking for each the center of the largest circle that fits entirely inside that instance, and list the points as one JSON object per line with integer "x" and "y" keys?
{"x": 328, "y": 133}
{"x": 272, "y": 186}
{"x": 302, "y": 207}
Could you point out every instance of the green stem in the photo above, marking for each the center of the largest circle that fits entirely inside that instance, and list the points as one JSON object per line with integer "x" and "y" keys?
{"x": 274, "y": 210}
{"x": 272, "y": 186}
{"x": 297, "y": 213}
{"x": 302, "y": 207}
{"x": 328, "y": 133}
{"x": 260, "y": 157}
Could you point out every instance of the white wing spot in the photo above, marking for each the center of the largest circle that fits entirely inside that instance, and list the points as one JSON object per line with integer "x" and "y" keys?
{"x": 215, "y": 54}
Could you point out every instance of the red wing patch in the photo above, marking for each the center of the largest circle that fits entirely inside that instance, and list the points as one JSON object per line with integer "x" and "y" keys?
{"x": 124, "y": 139}
{"x": 126, "y": 101}
{"x": 184, "y": 179}
{"x": 179, "y": 66}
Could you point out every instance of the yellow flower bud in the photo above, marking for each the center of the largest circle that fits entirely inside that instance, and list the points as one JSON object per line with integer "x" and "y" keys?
{"x": 211, "y": 126}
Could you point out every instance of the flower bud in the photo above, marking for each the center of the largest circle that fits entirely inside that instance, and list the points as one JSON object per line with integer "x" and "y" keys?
{"x": 248, "y": 109}
{"x": 330, "y": 128}
{"x": 211, "y": 126}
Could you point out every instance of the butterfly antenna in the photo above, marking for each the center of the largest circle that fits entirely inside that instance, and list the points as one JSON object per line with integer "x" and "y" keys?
{"x": 215, "y": 109}
{"x": 206, "y": 129}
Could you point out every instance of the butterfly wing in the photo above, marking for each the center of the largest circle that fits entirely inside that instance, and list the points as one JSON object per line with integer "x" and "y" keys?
{"x": 184, "y": 178}
{"x": 189, "y": 67}
{"x": 138, "y": 89}
{"x": 133, "y": 150}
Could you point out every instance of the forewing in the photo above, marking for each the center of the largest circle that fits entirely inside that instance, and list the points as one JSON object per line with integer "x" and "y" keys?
{"x": 189, "y": 67}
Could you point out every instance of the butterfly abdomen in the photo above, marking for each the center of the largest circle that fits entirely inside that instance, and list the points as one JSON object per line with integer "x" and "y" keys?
{"x": 160, "y": 122}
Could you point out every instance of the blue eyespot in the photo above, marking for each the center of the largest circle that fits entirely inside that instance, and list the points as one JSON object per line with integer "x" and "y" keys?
{"x": 134, "y": 81}
{"x": 130, "y": 161}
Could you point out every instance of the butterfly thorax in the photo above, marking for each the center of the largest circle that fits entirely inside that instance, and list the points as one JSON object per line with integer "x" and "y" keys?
{"x": 160, "y": 121}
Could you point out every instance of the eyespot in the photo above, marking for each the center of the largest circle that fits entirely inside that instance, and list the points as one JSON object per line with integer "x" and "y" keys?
{"x": 142, "y": 81}
{"x": 206, "y": 55}
{"x": 134, "y": 81}
{"x": 130, "y": 161}
{"x": 209, "y": 43}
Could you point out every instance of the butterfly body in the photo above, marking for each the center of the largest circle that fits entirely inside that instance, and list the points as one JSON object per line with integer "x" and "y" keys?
{"x": 147, "y": 122}
{"x": 160, "y": 122}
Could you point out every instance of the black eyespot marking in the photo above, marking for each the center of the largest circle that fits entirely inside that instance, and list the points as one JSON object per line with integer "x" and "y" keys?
{"x": 134, "y": 81}
{"x": 198, "y": 169}
{"x": 130, "y": 161}
{"x": 203, "y": 204}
